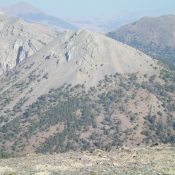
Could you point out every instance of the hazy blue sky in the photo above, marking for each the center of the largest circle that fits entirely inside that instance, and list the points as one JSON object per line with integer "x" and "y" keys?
{"x": 89, "y": 8}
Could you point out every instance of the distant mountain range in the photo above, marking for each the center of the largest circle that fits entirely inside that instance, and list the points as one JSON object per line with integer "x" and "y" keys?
{"x": 29, "y": 13}
{"x": 103, "y": 24}
{"x": 154, "y": 36}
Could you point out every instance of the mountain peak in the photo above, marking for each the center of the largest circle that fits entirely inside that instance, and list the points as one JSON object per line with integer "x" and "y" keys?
{"x": 88, "y": 57}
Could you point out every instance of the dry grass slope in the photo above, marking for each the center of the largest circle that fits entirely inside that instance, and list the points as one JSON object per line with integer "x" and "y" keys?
{"x": 126, "y": 161}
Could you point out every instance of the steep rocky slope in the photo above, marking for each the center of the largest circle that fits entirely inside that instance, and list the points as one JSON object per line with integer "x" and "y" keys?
{"x": 81, "y": 57}
{"x": 20, "y": 40}
{"x": 154, "y": 36}
{"x": 84, "y": 91}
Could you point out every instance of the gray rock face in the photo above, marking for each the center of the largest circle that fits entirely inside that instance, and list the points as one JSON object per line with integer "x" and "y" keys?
{"x": 20, "y": 40}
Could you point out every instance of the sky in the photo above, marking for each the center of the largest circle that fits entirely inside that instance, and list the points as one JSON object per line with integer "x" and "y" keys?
{"x": 97, "y": 8}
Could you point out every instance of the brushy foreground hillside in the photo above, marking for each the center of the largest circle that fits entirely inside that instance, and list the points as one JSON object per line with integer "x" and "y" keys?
{"x": 159, "y": 160}
{"x": 119, "y": 111}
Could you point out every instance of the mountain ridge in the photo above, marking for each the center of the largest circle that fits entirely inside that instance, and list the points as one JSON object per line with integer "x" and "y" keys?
{"x": 152, "y": 35}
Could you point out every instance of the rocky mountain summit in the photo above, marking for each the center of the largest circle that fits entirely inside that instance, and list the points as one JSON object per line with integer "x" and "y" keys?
{"x": 81, "y": 57}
